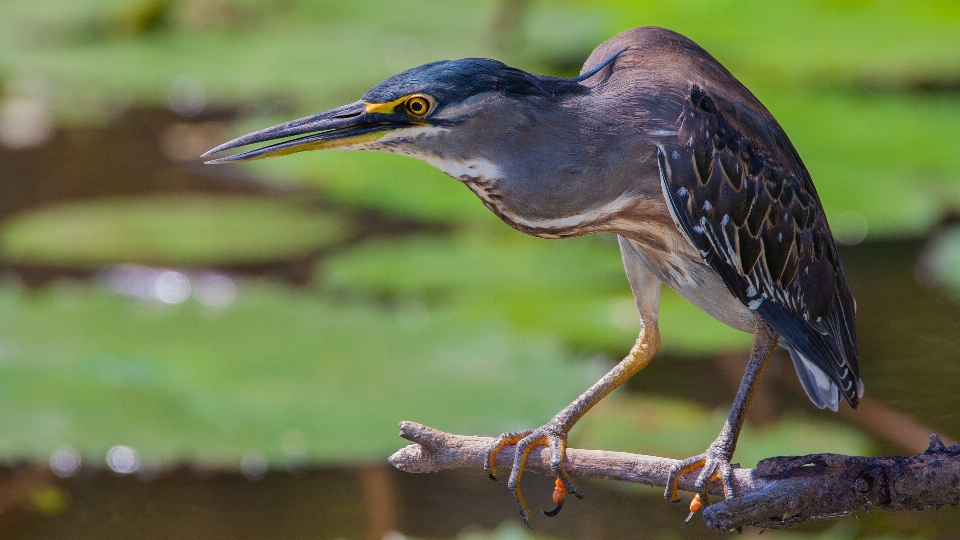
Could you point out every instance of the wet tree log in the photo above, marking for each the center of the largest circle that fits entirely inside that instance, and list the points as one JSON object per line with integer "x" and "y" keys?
{"x": 781, "y": 492}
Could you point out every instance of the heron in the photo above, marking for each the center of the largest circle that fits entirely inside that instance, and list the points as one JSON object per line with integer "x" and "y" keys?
{"x": 656, "y": 142}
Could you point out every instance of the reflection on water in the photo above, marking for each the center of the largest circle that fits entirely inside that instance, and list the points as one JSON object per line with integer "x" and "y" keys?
{"x": 169, "y": 286}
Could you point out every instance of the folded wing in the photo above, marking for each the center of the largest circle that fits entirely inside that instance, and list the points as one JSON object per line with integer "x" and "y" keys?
{"x": 741, "y": 195}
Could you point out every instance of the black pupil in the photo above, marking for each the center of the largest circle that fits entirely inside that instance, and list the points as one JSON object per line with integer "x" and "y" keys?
{"x": 416, "y": 106}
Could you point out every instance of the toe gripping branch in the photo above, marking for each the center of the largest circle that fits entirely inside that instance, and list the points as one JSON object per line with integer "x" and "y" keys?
{"x": 715, "y": 462}
{"x": 715, "y": 467}
{"x": 554, "y": 433}
{"x": 525, "y": 441}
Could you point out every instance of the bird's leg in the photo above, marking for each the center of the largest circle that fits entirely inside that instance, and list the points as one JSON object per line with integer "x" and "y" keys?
{"x": 554, "y": 433}
{"x": 715, "y": 462}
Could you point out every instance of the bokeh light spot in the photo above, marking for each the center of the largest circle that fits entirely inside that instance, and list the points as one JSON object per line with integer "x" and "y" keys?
{"x": 254, "y": 465}
{"x": 171, "y": 287}
{"x": 215, "y": 290}
{"x": 186, "y": 96}
{"x": 123, "y": 459}
{"x": 849, "y": 228}
{"x": 65, "y": 461}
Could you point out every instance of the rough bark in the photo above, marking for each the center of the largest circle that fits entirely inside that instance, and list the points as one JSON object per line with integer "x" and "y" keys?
{"x": 781, "y": 492}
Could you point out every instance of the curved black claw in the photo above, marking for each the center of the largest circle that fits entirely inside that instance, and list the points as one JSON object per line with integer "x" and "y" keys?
{"x": 559, "y": 496}
{"x": 548, "y": 435}
{"x": 556, "y": 510}
{"x": 694, "y": 507}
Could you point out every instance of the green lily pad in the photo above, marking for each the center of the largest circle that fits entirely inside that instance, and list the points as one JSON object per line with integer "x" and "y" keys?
{"x": 288, "y": 374}
{"x": 309, "y": 53}
{"x": 168, "y": 230}
{"x": 888, "y": 158}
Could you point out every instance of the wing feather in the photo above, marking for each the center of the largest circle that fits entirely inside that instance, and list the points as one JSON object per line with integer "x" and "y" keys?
{"x": 743, "y": 198}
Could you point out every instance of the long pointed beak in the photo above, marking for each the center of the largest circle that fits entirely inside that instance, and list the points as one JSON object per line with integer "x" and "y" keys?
{"x": 343, "y": 126}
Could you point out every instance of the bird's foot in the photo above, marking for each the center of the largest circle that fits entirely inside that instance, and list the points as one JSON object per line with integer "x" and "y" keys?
{"x": 553, "y": 435}
{"x": 714, "y": 465}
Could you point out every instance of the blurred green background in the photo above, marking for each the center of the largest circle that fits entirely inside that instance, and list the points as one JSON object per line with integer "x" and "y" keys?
{"x": 247, "y": 337}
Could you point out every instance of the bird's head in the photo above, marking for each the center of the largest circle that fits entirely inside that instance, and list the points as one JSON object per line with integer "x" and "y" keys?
{"x": 446, "y": 113}
{"x": 516, "y": 139}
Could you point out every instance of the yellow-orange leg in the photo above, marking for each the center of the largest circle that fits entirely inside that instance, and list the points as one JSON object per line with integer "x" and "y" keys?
{"x": 503, "y": 441}
{"x": 554, "y": 432}
{"x": 715, "y": 462}
{"x": 682, "y": 468}
{"x": 548, "y": 435}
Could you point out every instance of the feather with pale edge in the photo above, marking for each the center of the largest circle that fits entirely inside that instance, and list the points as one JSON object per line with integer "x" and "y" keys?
{"x": 742, "y": 197}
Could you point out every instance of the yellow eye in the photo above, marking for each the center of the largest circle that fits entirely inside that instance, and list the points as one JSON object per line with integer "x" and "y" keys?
{"x": 418, "y": 105}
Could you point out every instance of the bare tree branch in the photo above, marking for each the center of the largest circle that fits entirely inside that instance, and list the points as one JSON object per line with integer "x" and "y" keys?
{"x": 781, "y": 492}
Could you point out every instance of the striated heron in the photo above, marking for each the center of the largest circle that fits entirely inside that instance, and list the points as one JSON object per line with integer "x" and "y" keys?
{"x": 658, "y": 143}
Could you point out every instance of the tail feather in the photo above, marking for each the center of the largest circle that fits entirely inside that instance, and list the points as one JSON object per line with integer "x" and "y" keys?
{"x": 821, "y": 390}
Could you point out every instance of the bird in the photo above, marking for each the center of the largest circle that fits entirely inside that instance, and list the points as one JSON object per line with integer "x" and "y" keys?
{"x": 658, "y": 143}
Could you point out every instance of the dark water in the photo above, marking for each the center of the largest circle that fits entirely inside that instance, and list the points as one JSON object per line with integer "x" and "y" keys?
{"x": 909, "y": 336}
{"x": 128, "y": 157}
{"x": 368, "y": 503}
{"x": 909, "y": 340}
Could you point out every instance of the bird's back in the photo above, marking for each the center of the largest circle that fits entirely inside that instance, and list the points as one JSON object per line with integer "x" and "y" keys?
{"x": 740, "y": 194}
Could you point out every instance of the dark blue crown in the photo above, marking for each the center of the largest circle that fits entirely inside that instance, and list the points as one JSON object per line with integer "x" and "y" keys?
{"x": 449, "y": 81}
